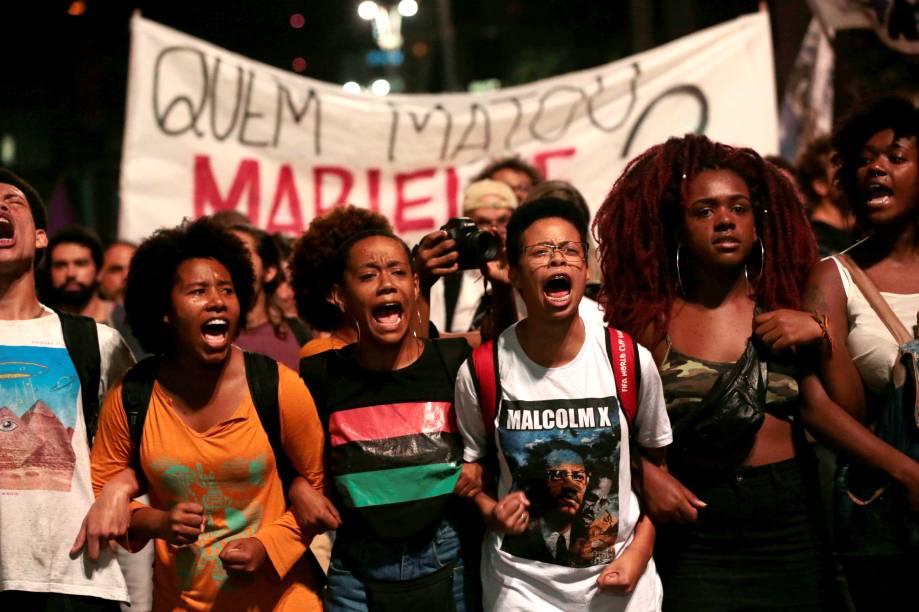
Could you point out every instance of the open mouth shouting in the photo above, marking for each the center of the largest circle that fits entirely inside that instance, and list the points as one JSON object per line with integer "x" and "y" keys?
{"x": 878, "y": 195}
{"x": 216, "y": 332}
{"x": 388, "y": 315}
{"x": 7, "y": 231}
{"x": 557, "y": 290}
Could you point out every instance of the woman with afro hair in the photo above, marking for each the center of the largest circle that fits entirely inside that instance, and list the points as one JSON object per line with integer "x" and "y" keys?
{"x": 312, "y": 267}
{"x": 704, "y": 251}
{"x": 224, "y": 539}
{"x": 878, "y": 145}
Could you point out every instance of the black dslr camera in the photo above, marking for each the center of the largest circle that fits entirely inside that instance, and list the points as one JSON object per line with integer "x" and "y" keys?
{"x": 474, "y": 246}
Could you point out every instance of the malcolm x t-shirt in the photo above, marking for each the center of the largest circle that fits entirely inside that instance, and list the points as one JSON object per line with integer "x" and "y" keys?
{"x": 562, "y": 439}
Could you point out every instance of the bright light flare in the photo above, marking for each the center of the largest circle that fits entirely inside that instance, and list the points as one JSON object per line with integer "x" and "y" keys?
{"x": 380, "y": 87}
{"x": 352, "y": 87}
{"x": 408, "y": 8}
{"x": 367, "y": 10}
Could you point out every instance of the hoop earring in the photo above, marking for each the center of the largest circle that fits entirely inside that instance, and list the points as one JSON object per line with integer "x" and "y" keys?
{"x": 679, "y": 277}
{"x": 420, "y": 325}
{"x": 762, "y": 264}
{"x": 358, "y": 327}
{"x": 746, "y": 279}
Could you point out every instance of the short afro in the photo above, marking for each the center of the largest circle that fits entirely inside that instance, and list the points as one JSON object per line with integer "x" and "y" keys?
{"x": 148, "y": 291}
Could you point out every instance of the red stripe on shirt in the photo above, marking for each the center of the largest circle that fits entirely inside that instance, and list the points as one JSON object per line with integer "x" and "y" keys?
{"x": 391, "y": 421}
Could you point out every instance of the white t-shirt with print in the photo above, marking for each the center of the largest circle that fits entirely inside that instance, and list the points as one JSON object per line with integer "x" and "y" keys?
{"x": 45, "y": 485}
{"x": 559, "y": 424}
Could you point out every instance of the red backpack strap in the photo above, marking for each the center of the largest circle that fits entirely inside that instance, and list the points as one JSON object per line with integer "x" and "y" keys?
{"x": 487, "y": 385}
{"x": 623, "y": 356}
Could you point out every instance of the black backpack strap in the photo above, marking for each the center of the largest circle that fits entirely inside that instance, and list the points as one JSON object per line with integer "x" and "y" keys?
{"x": 452, "y": 284}
{"x": 82, "y": 341}
{"x": 262, "y": 376}
{"x": 314, "y": 370}
{"x": 136, "y": 391}
{"x": 300, "y": 330}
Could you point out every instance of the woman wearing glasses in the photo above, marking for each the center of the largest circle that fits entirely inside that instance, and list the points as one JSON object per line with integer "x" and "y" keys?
{"x": 565, "y": 530}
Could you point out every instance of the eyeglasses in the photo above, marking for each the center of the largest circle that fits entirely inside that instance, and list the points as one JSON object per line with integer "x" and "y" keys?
{"x": 543, "y": 252}
{"x": 575, "y": 475}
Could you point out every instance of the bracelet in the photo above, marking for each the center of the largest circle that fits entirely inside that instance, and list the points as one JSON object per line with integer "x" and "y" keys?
{"x": 824, "y": 322}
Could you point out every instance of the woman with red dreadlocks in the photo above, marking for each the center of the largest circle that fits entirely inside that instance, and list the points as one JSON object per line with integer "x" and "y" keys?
{"x": 704, "y": 251}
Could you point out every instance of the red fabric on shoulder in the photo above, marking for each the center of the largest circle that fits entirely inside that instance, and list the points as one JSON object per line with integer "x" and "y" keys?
{"x": 485, "y": 375}
{"x": 622, "y": 353}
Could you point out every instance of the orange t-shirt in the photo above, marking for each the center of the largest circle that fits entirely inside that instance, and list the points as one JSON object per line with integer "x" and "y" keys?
{"x": 230, "y": 470}
{"x": 320, "y": 345}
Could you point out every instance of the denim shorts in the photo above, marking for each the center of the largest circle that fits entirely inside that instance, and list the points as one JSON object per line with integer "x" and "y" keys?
{"x": 356, "y": 559}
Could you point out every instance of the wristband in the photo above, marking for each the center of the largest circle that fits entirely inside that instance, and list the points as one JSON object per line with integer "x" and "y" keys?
{"x": 824, "y": 322}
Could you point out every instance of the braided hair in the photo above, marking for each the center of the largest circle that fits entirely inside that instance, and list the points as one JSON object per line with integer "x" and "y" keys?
{"x": 638, "y": 224}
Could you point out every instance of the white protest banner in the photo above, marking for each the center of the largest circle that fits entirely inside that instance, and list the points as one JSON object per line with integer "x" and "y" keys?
{"x": 209, "y": 130}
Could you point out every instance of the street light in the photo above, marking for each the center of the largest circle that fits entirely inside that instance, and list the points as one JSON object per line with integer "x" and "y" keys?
{"x": 380, "y": 87}
{"x": 368, "y": 10}
{"x": 352, "y": 87}
{"x": 408, "y": 8}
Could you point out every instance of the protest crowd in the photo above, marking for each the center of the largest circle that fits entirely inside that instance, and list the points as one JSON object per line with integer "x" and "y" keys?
{"x": 702, "y": 396}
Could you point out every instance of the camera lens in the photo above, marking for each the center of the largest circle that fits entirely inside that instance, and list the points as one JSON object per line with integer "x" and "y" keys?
{"x": 486, "y": 246}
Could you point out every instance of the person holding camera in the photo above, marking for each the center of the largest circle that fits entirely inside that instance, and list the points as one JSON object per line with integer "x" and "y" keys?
{"x": 459, "y": 252}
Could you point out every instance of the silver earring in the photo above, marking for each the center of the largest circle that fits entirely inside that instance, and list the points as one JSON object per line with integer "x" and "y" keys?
{"x": 679, "y": 277}
{"x": 762, "y": 264}
{"x": 358, "y": 326}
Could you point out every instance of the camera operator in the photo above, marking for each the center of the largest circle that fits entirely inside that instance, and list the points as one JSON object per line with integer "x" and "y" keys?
{"x": 456, "y": 304}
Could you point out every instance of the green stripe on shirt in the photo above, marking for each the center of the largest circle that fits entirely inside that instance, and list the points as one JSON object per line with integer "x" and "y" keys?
{"x": 398, "y": 485}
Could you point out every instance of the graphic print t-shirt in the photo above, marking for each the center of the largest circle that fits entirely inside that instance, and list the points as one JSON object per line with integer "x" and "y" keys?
{"x": 562, "y": 439}
{"x": 45, "y": 486}
{"x": 230, "y": 470}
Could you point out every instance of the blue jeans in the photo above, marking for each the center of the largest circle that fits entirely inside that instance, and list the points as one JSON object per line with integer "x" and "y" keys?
{"x": 355, "y": 559}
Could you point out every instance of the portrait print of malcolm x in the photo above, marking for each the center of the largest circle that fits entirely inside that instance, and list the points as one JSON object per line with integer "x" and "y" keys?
{"x": 563, "y": 528}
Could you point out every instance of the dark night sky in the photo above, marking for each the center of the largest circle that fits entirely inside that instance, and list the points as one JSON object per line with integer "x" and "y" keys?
{"x": 66, "y": 76}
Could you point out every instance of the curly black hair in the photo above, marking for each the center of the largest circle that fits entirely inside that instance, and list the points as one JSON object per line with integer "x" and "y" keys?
{"x": 510, "y": 163}
{"x": 313, "y": 264}
{"x": 854, "y": 130}
{"x": 148, "y": 291}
